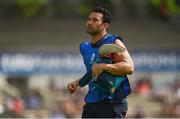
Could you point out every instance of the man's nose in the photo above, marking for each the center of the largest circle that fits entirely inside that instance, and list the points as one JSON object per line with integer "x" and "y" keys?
{"x": 89, "y": 22}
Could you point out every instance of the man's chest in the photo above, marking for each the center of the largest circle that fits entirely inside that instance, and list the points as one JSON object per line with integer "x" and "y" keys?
{"x": 90, "y": 57}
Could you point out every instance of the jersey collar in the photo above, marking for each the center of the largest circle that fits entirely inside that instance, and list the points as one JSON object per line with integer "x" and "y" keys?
{"x": 99, "y": 42}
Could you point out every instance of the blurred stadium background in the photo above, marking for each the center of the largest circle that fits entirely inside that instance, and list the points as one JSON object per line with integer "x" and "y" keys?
{"x": 39, "y": 55}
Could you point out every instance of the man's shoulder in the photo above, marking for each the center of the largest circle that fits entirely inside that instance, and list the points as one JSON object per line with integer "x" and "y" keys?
{"x": 118, "y": 37}
{"x": 84, "y": 45}
{"x": 85, "y": 42}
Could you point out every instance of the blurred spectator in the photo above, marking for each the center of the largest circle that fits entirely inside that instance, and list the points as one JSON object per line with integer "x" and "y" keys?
{"x": 18, "y": 105}
{"x": 57, "y": 111}
{"x": 70, "y": 109}
{"x": 144, "y": 86}
{"x": 34, "y": 100}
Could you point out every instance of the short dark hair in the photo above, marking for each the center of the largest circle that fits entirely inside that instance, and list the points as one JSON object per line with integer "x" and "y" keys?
{"x": 105, "y": 12}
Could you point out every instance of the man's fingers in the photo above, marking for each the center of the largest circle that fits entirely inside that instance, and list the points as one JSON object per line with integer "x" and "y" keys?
{"x": 72, "y": 91}
{"x": 72, "y": 87}
{"x": 76, "y": 85}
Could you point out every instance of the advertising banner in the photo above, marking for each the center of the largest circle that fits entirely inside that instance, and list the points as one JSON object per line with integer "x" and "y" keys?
{"x": 43, "y": 63}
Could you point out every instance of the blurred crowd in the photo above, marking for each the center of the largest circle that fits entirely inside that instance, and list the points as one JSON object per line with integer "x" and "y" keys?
{"x": 156, "y": 100}
{"x": 51, "y": 102}
{"x": 56, "y": 102}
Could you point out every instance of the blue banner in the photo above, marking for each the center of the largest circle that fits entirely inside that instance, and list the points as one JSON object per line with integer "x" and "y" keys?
{"x": 43, "y": 63}
{"x": 154, "y": 61}
{"x": 27, "y": 64}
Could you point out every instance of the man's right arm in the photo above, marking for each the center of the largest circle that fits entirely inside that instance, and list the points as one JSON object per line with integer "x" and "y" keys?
{"x": 72, "y": 86}
{"x": 123, "y": 63}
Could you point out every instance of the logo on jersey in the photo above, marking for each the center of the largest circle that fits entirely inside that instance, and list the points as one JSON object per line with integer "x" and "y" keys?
{"x": 92, "y": 61}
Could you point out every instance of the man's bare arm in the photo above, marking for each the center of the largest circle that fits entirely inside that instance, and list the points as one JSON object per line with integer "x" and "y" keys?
{"x": 123, "y": 63}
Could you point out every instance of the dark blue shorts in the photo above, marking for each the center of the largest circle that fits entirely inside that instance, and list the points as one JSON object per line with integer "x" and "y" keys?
{"x": 105, "y": 109}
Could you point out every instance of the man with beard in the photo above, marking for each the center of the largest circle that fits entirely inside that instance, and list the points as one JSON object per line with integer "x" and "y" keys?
{"x": 98, "y": 103}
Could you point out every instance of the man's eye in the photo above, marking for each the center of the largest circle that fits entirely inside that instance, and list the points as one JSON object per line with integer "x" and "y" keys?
{"x": 95, "y": 19}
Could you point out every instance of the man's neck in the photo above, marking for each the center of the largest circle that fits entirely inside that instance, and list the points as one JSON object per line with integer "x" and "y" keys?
{"x": 97, "y": 37}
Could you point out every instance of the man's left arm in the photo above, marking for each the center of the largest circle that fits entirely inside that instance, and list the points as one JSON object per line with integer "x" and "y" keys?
{"x": 123, "y": 63}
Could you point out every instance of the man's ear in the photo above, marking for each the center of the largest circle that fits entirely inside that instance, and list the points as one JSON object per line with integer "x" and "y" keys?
{"x": 106, "y": 25}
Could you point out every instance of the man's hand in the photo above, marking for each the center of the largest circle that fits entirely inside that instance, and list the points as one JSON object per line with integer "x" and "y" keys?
{"x": 98, "y": 69}
{"x": 72, "y": 86}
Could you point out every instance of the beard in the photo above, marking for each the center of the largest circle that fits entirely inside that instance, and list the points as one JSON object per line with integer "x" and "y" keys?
{"x": 93, "y": 31}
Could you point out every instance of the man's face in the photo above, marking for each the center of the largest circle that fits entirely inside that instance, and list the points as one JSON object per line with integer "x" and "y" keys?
{"x": 94, "y": 23}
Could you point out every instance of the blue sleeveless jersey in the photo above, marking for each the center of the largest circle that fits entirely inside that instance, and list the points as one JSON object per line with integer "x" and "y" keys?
{"x": 90, "y": 53}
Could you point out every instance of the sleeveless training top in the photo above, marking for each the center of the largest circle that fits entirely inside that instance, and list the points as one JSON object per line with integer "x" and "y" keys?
{"x": 90, "y": 53}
